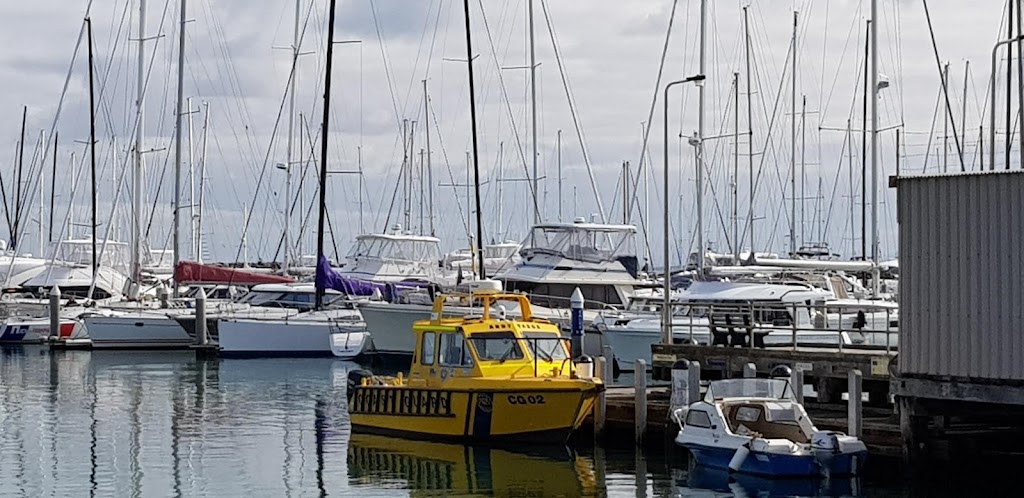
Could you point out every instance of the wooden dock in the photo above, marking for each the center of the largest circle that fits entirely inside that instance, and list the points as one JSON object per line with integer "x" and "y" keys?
{"x": 826, "y": 369}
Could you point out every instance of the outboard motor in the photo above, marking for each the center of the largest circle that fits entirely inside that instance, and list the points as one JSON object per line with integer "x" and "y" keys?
{"x": 355, "y": 379}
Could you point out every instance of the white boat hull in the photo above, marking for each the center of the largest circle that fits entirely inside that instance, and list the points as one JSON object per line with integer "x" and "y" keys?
{"x": 281, "y": 337}
{"x": 391, "y": 326}
{"x": 136, "y": 332}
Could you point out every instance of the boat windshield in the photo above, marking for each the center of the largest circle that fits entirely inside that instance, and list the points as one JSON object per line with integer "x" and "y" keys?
{"x": 405, "y": 250}
{"x": 496, "y": 346}
{"x": 547, "y": 346}
{"x": 281, "y": 299}
{"x": 585, "y": 242}
{"x": 749, "y": 388}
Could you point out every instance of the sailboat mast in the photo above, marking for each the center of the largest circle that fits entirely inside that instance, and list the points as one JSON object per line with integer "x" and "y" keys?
{"x": 92, "y": 153}
{"x": 558, "y": 148}
{"x": 476, "y": 151}
{"x": 945, "y": 123}
{"x": 177, "y": 142}
{"x": 736, "y": 167}
{"x": 874, "y": 147}
{"x": 53, "y": 186}
{"x": 323, "y": 151}
{"x": 803, "y": 170}
{"x": 136, "y": 258}
{"x": 750, "y": 132}
{"x": 700, "y": 145}
{"x": 286, "y": 257}
{"x": 430, "y": 171}
{"x": 17, "y": 184}
{"x": 191, "y": 180}
{"x": 533, "y": 114}
{"x": 202, "y": 184}
{"x": 864, "y": 152}
{"x": 792, "y": 155}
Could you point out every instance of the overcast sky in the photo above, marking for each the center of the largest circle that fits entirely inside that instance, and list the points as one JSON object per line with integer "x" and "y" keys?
{"x": 238, "y": 61}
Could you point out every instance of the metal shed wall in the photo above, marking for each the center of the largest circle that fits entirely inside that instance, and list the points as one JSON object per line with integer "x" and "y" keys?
{"x": 962, "y": 275}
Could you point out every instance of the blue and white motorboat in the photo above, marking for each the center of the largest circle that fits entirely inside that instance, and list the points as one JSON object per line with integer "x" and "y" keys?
{"x": 755, "y": 426}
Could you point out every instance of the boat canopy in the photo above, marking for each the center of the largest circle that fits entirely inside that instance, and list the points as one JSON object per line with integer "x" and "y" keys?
{"x": 396, "y": 247}
{"x": 114, "y": 254}
{"x": 749, "y": 388}
{"x": 189, "y": 272}
{"x": 589, "y": 242}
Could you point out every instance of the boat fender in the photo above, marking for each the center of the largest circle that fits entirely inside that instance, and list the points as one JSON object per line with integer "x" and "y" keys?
{"x": 737, "y": 458}
{"x": 584, "y": 367}
{"x": 355, "y": 379}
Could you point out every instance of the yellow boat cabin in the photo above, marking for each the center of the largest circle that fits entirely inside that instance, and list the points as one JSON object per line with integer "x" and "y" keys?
{"x": 479, "y": 377}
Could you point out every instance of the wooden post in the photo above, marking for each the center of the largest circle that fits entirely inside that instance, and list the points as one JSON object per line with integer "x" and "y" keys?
{"x": 600, "y": 406}
{"x": 694, "y": 381}
{"x": 854, "y": 406}
{"x": 609, "y": 357}
{"x": 749, "y": 371}
{"x": 796, "y": 382}
{"x": 201, "y": 337}
{"x": 55, "y": 312}
{"x": 640, "y": 400}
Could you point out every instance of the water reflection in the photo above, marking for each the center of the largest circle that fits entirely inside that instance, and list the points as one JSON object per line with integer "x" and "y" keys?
{"x": 431, "y": 469}
{"x": 111, "y": 423}
{"x": 717, "y": 482}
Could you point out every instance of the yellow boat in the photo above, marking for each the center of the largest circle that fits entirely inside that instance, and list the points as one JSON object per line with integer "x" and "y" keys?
{"x": 479, "y": 378}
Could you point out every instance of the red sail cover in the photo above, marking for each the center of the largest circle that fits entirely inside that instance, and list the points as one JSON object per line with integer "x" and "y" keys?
{"x": 189, "y": 272}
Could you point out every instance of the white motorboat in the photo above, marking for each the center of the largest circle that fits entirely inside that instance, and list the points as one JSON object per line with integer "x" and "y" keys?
{"x": 601, "y": 260}
{"x": 755, "y": 426}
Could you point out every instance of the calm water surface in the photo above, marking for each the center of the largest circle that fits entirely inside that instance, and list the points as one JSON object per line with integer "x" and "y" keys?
{"x": 80, "y": 423}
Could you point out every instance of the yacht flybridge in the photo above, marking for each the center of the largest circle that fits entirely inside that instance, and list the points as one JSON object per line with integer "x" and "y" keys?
{"x": 557, "y": 258}
{"x": 394, "y": 257}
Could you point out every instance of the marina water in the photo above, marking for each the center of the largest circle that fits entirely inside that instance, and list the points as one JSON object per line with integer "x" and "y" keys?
{"x": 119, "y": 423}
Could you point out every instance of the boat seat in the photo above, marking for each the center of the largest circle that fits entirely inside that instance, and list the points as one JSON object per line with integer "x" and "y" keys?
{"x": 741, "y": 415}
{"x": 733, "y": 328}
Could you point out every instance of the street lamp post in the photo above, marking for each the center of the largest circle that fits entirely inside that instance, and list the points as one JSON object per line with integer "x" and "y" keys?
{"x": 666, "y": 312}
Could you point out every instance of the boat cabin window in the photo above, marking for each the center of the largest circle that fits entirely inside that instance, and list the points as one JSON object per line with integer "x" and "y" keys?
{"x": 585, "y": 242}
{"x": 496, "y": 346}
{"x": 427, "y": 350}
{"x": 453, "y": 351}
{"x": 698, "y": 418}
{"x": 547, "y": 345}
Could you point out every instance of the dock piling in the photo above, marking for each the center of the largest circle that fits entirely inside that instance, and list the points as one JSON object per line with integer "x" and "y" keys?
{"x": 640, "y": 401}
{"x": 55, "y": 311}
{"x": 749, "y": 371}
{"x": 201, "y": 337}
{"x": 680, "y": 396}
{"x": 855, "y": 404}
{"x": 694, "y": 384}
{"x": 601, "y": 406}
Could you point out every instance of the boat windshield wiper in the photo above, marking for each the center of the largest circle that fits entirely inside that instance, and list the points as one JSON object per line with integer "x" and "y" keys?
{"x": 508, "y": 353}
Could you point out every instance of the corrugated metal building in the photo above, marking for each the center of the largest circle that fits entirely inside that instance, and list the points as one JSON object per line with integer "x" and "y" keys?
{"x": 962, "y": 276}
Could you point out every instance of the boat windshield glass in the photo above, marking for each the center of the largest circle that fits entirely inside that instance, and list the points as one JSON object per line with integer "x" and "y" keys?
{"x": 115, "y": 254}
{"x": 496, "y": 346}
{"x": 584, "y": 242}
{"x": 280, "y": 299}
{"x": 749, "y": 388}
{"x": 407, "y": 250}
{"x": 548, "y": 346}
